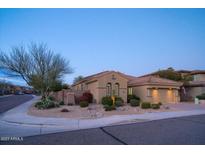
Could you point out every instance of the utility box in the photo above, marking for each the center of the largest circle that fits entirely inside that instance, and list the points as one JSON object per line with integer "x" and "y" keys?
{"x": 196, "y": 100}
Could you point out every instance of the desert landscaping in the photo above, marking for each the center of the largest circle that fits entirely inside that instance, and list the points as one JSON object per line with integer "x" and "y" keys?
{"x": 93, "y": 111}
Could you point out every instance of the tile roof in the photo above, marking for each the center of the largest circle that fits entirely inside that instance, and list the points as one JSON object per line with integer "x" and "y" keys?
{"x": 152, "y": 80}
{"x": 132, "y": 80}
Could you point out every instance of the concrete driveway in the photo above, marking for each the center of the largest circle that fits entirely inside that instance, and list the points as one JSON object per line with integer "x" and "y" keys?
{"x": 16, "y": 122}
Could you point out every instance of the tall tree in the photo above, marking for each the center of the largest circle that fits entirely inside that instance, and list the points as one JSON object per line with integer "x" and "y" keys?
{"x": 38, "y": 65}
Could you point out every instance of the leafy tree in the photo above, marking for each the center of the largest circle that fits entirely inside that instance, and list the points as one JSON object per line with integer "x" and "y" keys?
{"x": 78, "y": 78}
{"x": 169, "y": 73}
{"x": 37, "y": 65}
{"x": 65, "y": 86}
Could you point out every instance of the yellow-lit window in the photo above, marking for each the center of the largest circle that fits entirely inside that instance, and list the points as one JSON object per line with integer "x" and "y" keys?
{"x": 129, "y": 91}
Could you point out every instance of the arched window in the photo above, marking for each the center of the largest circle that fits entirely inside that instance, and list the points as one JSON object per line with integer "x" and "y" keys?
{"x": 109, "y": 89}
{"x": 117, "y": 89}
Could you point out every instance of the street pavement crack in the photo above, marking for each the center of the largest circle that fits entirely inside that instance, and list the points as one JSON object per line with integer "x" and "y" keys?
{"x": 114, "y": 137}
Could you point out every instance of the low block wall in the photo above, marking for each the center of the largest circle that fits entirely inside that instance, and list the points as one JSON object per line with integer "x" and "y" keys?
{"x": 67, "y": 96}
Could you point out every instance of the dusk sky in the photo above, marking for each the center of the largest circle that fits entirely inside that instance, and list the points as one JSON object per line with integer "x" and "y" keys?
{"x": 132, "y": 41}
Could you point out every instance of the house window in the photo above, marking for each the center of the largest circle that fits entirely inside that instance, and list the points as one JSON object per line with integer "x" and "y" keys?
{"x": 129, "y": 91}
{"x": 117, "y": 87}
{"x": 109, "y": 89}
{"x": 81, "y": 87}
{"x": 149, "y": 93}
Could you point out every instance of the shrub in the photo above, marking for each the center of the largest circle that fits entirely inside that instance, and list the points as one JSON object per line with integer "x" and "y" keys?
{"x": 160, "y": 103}
{"x": 45, "y": 104}
{"x": 129, "y": 97}
{"x": 89, "y": 96}
{"x": 134, "y": 102}
{"x": 107, "y": 100}
{"x": 118, "y": 103}
{"x": 83, "y": 104}
{"x": 64, "y": 110}
{"x": 80, "y": 99}
{"x": 38, "y": 104}
{"x": 201, "y": 97}
{"x": 145, "y": 105}
{"x": 155, "y": 106}
{"x": 51, "y": 98}
{"x": 109, "y": 108}
{"x": 61, "y": 103}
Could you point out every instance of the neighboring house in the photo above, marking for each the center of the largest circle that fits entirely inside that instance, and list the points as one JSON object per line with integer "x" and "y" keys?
{"x": 148, "y": 88}
{"x": 154, "y": 89}
{"x": 193, "y": 88}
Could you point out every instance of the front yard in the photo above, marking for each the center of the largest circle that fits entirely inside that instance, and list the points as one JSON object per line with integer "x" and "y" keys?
{"x": 93, "y": 111}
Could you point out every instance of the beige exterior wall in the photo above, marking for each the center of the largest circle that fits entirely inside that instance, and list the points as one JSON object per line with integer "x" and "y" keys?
{"x": 164, "y": 94}
{"x": 92, "y": 87}
{"x": 112, "y": 78}
{"x": 192, "y": 92}
{"x": 199, "y": 77}
{"x": 99, "y": 88}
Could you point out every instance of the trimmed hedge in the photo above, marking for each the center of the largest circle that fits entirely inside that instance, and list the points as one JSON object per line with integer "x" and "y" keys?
{"x": 145, "y": 105}
{"x": 134, "y": 102}
{"x": 118, "y": 103}
{"x": 201, "y": 97}
{"x": 155, "y": 106}
{"x": 129, "y": 97}
{"x": 107, "y": 100}
{"x": 83, "y": 104}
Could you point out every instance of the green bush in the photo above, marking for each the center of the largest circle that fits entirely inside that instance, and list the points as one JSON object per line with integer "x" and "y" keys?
{"x": 107, "y": 100}
{"x": 118, "y": 103}
{"x": 83, "y": 104}
{"x": 155, "y": 106}
{"x": 145, "y": 105}
{"x": 61, "y": 103}
{"x": 45, "y": 104}
{"x": 134, "y": 102}
{"x": 109, "y": 108}
{"x": 201, "y": 97}
{"x": 129, "y": 97}
{"x": 51, "y": 98}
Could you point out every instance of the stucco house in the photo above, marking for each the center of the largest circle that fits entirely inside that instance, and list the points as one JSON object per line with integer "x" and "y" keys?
{"x": 148, "y": 88}
{"x": 155, "y": 89}
{"x": 193, "y": 88}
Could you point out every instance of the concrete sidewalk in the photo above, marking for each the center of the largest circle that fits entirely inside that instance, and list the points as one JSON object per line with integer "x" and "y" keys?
{"x": 16, "y": 122}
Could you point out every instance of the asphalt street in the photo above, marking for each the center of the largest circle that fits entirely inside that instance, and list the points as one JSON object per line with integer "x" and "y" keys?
{"x": 7, "y": 103}
{"x": 176, "y": 131}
